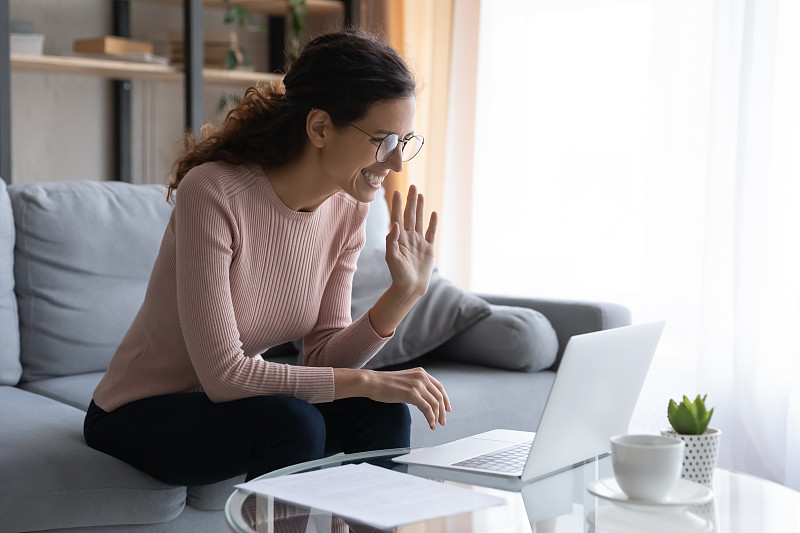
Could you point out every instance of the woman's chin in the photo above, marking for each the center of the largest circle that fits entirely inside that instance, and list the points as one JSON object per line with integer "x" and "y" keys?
{"x": 363, "y": 194}
{"x": 365, "y": 191}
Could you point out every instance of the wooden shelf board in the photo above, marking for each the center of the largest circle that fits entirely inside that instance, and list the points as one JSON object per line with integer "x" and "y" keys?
{"x": 273, "y": 7}
{"x": 220, "y": 76}
{"x": 127, "y": 70}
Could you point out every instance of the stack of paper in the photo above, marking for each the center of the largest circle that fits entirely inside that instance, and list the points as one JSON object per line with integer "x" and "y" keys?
{"x": 372, "y": 495}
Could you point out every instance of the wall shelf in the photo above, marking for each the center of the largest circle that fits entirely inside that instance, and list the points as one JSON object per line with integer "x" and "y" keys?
{"x": 193, "y": 76}
{"x": 128, "y": 70}
{"x": 275, "y": 8}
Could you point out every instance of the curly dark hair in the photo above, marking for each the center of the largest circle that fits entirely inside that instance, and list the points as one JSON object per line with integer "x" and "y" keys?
{"x": 342, "y": 73}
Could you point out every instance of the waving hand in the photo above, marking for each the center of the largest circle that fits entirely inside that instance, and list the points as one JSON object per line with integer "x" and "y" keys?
{"x": 409, "y": 251}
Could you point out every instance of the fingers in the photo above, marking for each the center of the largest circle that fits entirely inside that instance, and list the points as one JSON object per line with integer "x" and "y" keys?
{"x": 413, "y": 386}
{"x": 412, "y": 218}
{"x": 432, "y": 407}
{"x": 410, "y": 214}
{"x": 397, "y": 208}
{"x": 440, "y": 387}
{"x": 420, "y": 214}
{"x": 393, "y": 236}
{"x": 434, "y": 402}
{"x": 414, "y": 214}
{"x": 442, "y": 402}
{"x": 430, "y": 235}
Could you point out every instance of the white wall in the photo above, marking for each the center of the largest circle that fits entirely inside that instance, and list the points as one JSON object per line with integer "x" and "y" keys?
{"x": 62, "y": 125}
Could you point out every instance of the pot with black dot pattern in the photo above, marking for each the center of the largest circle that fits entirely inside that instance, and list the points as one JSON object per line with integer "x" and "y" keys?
{"x": 699, "y": 455}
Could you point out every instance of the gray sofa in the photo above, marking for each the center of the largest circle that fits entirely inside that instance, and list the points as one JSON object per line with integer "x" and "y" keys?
{"x": 74, "y": 263}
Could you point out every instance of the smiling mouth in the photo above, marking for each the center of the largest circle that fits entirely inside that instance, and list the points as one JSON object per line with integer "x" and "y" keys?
{"x": 374, "y": 179}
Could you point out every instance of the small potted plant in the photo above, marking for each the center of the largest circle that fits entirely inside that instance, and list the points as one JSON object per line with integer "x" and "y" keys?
{"x": 689, "y": 421}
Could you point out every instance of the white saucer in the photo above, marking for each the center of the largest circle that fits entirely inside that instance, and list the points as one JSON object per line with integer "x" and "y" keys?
{"x": 685, "y": 493}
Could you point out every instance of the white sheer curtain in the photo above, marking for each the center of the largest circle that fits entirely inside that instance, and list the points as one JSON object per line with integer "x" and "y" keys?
{"x": 646, "y": 152}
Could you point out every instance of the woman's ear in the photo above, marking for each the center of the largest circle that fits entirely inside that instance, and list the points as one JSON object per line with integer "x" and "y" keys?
{"x": 318, "y": 125}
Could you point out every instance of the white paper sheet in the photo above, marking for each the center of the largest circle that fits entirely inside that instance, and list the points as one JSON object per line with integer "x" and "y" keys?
{"x": 373, "y": 495}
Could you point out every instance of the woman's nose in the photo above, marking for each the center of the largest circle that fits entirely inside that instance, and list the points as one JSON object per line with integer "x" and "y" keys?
{"x": 395, "y": 159}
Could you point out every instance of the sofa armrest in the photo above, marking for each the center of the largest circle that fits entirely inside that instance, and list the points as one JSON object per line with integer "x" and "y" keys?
{"x": 569, "y": 317}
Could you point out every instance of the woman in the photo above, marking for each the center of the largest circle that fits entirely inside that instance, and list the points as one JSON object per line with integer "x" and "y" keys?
{"x": 260, "y": 250}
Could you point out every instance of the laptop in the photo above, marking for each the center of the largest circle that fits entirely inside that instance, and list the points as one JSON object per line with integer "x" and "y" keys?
{"x": 592, "y": 398}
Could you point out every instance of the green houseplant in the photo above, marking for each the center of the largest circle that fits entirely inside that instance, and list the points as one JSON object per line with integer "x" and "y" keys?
{"x": 689, "y": 422}
{"x": 689, "y": 418}
{"x": 237, "y": 57}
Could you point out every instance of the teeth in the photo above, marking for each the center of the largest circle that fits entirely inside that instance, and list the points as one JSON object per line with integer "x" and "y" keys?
{"x": 375, "y": 179}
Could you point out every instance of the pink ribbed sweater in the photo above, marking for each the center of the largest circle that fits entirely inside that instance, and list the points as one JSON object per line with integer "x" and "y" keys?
{"x": 237, "y": 273}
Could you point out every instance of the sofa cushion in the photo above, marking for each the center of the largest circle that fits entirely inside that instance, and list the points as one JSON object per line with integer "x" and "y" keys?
{"x": 212, "y": 497}
{"x": 378, "y": 220}
{"x": 72, "y": 390}
{"x": 51, "y": 477}
{"x": 482, "y": 398}
{"x": 77, "y": 392}
{"x": 514, "y": 338}
{"x": 84, "y": 253}
{"x": 10, "y": 368}
{"x": 441, "y": 313}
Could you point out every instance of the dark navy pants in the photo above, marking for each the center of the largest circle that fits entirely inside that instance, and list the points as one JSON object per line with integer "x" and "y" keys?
{"x": 186, "y": 439}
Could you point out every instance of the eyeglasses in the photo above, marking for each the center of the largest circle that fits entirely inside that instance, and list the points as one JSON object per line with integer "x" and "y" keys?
{"x": 387, "y": 145}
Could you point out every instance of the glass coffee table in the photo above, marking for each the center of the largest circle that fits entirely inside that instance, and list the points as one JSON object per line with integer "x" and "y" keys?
{"x": 556, "y": 504}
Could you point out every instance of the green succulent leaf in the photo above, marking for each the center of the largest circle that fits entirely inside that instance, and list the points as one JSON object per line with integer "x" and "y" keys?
{"x": 687, "y": 417}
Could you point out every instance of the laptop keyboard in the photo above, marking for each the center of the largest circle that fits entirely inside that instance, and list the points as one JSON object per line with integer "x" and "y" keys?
{"x": 506, "y": 460}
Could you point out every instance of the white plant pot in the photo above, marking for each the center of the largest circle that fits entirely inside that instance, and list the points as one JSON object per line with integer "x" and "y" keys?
{"x": 699, "y": 455}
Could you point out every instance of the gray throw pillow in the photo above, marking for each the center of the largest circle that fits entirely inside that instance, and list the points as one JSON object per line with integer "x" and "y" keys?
{"x": 441, "y": 313}
{"x": 514, "y": 338}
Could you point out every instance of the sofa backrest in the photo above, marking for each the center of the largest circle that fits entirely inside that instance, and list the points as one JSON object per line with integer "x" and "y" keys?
{"x": 10, "y": 369}
{"x": 378, "y": 221}
{"x": 84, "y": 253}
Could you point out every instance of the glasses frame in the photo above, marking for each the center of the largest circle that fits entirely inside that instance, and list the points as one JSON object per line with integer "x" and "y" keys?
{"x": 380, "y": 142}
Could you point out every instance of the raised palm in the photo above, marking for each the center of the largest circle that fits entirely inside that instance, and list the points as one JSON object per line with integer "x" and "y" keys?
{"x": 410, "y": 249}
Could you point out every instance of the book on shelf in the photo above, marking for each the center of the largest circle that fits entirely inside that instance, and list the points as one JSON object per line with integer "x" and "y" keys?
{"x": 133, "y": 57}
{"x": 210, "y": 35}
{"x": 217, "y": 44}
{"x": 112, "y": 45}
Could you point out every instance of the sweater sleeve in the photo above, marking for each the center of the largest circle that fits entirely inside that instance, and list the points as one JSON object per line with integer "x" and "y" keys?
{"x": 335, "y": 341}
{"x": 207, "y": 237}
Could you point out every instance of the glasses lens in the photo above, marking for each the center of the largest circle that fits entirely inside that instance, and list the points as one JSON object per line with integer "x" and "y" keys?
{"x": 412, "y": 147}
{"x": 386, "y": 147}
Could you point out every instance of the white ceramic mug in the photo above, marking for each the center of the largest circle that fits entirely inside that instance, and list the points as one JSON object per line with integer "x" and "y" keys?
{"x": 647, "y": 467}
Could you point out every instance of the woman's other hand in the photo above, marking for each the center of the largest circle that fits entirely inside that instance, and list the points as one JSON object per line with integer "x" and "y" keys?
{"x": 414, "y": 386}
